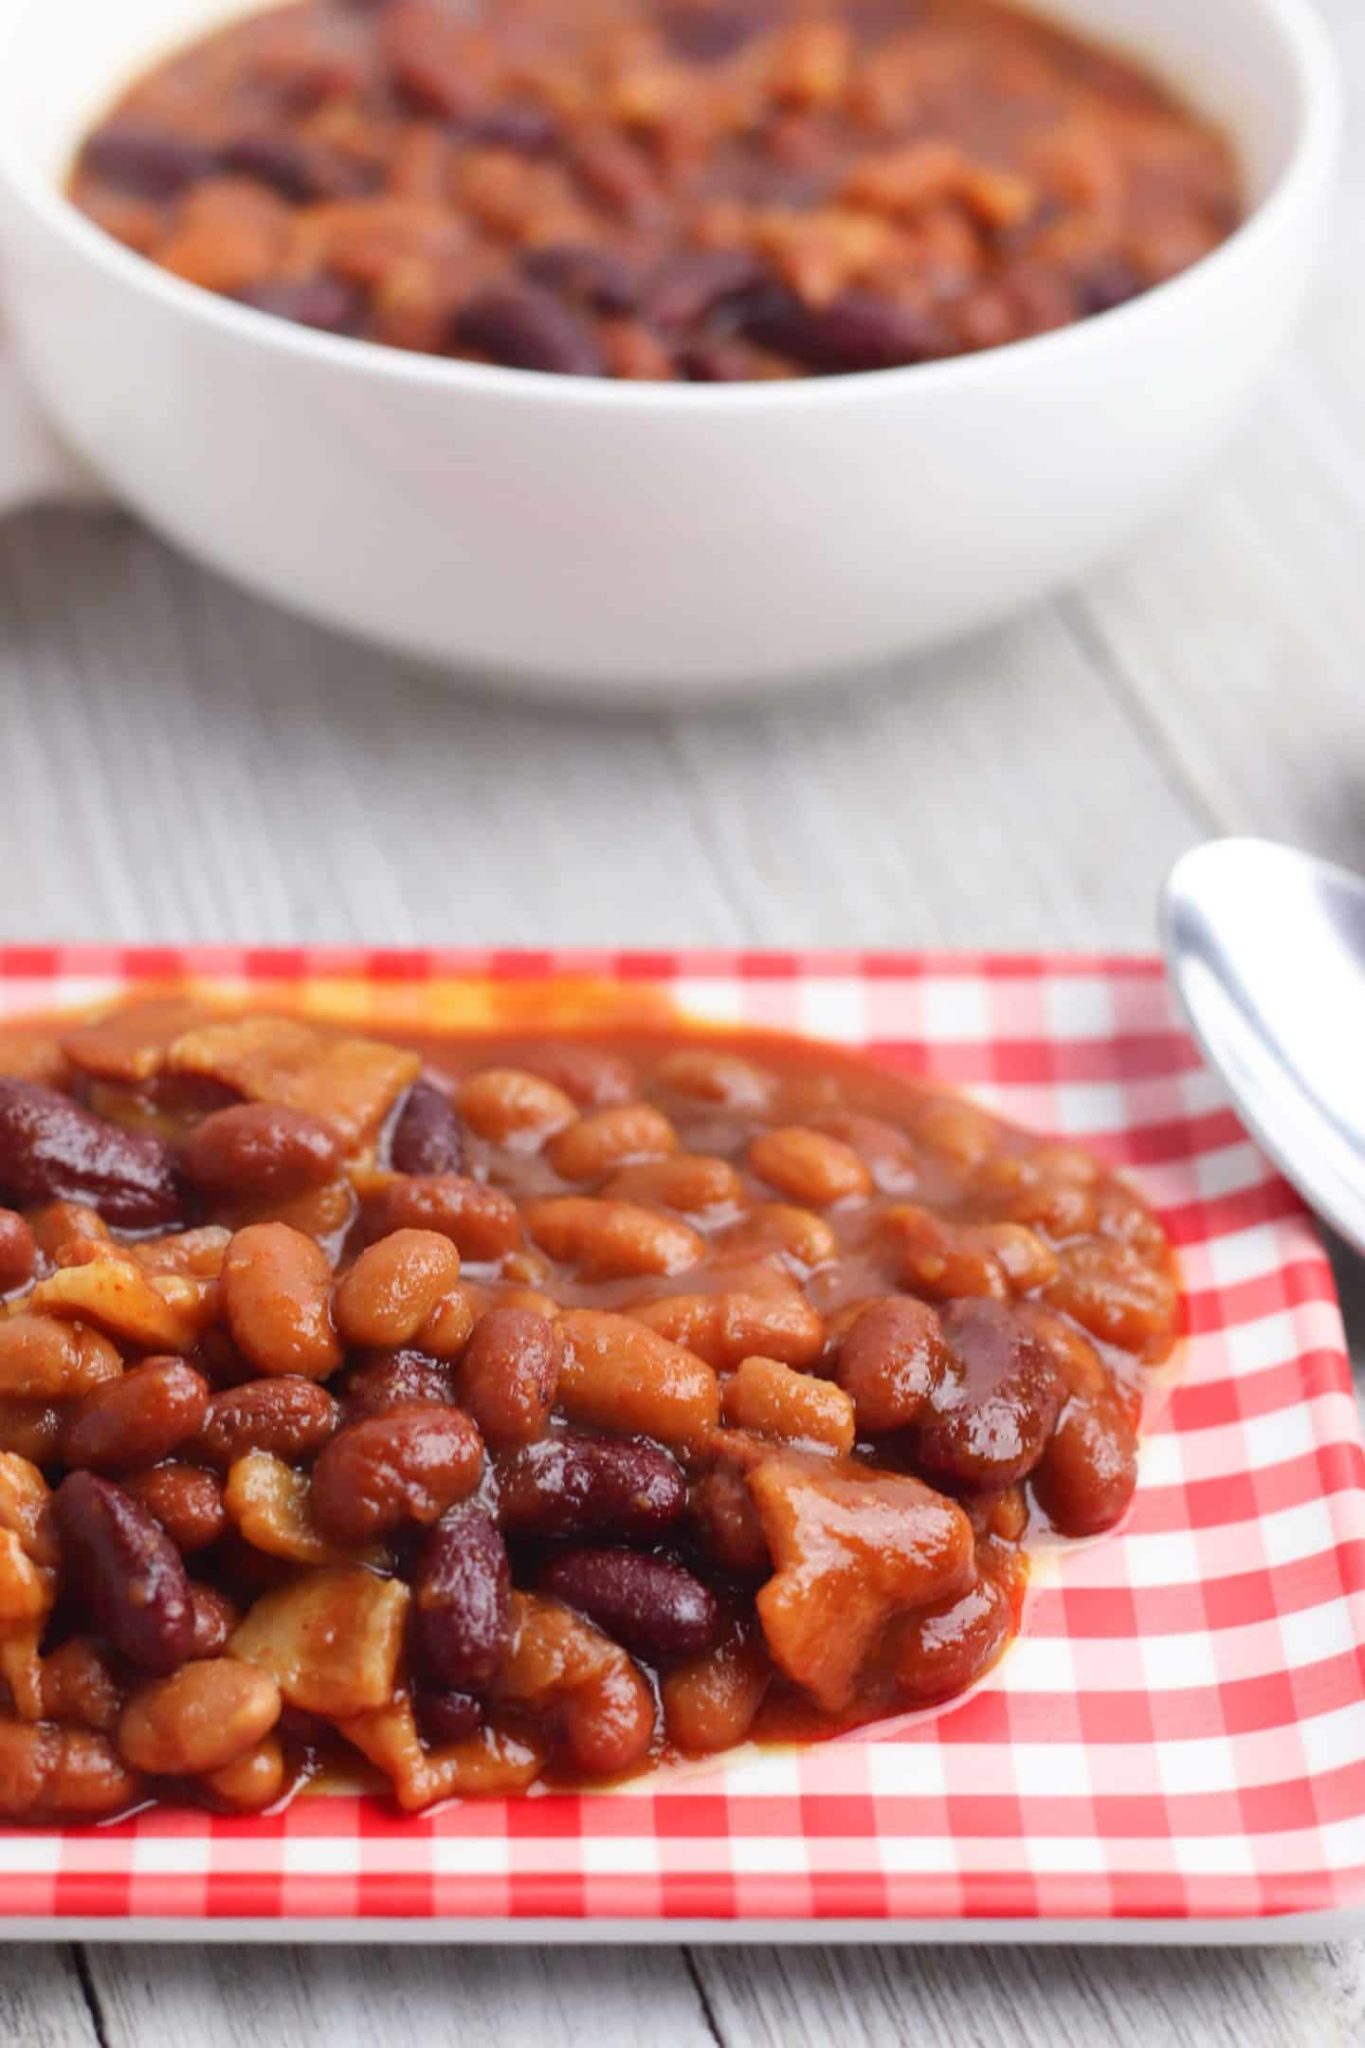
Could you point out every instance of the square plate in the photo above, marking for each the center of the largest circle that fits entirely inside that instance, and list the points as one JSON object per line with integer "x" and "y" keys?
{"x": 1176, "y": 1746}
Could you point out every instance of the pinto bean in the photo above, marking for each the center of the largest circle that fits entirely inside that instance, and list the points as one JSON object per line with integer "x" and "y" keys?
{"x": 393, "y": 1287}
{"x": 290, "y": 1417}
{"x": 407, "y": 1466}
{"x": 711, "y": 1701}
{"x": 481, "y": 1222}
{"x": 616, "y": 1374}
{"x": 770, "y": 1400}
{"x": 559, "y": 1666}
{"x": 991, "y": 1421}
{"x": 277, "y": 1299}
{"x": 810, "y": 1167}
{"x": 204, "y": 1717}
{"x": 612, "y": 1240}
{"x": 18, "y": 1252}
{"x": 137, "y": 1419}
{"x": 509, "y": 1374}
{"x": 892, "y": 1361}
{"x": 261, "y": 1151}
{"x": 184, "y": 1499}
{"x": 596, "y": 1145}
{"x": 381, "y": 1381}
{"x": 52, "y": 1773}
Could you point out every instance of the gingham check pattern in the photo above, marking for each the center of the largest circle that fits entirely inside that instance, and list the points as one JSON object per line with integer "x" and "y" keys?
{"x": 1181, "y": 1731}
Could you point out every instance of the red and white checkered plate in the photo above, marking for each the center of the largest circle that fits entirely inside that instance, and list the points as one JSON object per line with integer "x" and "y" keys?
{"x": 1175, "y": 1747}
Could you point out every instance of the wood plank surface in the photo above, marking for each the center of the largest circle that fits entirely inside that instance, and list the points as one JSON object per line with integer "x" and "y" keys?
{"x": 1027, "y": 789}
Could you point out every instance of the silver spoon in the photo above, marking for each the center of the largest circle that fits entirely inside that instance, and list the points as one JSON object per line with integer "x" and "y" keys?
{"x": 1266, "y": 947}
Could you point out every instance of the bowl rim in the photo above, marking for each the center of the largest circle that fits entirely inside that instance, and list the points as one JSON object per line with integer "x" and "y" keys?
{"x": 1314, "y": 76}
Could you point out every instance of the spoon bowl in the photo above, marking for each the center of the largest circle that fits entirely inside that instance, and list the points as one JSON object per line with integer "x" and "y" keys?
{"x": 1266, "y": 947}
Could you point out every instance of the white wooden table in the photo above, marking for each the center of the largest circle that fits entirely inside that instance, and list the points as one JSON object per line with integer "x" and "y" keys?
{"x": 1027, "y": 790}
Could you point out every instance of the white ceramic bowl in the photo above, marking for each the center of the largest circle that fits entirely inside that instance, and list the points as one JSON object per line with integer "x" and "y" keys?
{"x": 640, "y": 542}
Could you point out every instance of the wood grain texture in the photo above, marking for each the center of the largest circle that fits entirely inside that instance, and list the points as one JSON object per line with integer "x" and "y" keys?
{"x": 1027, "y": 789}
{"x": 395, "y": 1998}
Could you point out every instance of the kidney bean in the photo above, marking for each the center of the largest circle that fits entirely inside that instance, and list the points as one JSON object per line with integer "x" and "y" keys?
{"x": 481, "y": 1222}
{"x": 407, "y": 1466}
{"x": 445, "y": 1714}
{"x": 687, "y": 285}
{"x": 184, "y": 1499}
{"x": 43, "y": 1358}
{"x": 52, "y": 1149}
{"x": 18, "y": 1252}
{"x": 292, "y": 1418}
{"x": 277, "y": 1299}
{"x": 509, "y": 1375}
{"x": 460, "y": 1592}
{"x": 296, "y": 170}
{"x": 381, "y": 1381}
{"x": 330, "y": 304}
{"x": 137, "y": 1419}
{"x": 892, "y": 1361}
{"x": 600, "y": 279}
{"x": 707, "y": 34}
{"x": 612, "y": 1240}
{"x": 428, "y": 1136}
{"x": 991, "y": 1421}
{"x": 128, "y": 1569}
{"x": 1088, "y": 1472}
{"x": 393, "y": 1287}
{"x": 261, "y": 1151}
{"x": 527, "y": 328}
{"x": 529, "y": 129}
{"x": 616, "y": 1374}
{"x": 52, "y": 1773}
{"x": 147, "y": 162}
{"x": 579, "y": 1485}
{"x": 652, "y": 1607}
{"x": 215, "y": 1618}
{"x": 204, "y": 1717}
{"x": 856, "y": 331}
{"x": 718, "y": 362}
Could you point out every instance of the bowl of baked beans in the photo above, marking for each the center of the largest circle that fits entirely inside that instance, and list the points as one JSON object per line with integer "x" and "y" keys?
{"x": 649, "y": 347}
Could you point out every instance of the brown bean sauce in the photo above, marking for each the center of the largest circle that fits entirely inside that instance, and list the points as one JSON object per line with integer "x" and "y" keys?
{"x": 713, "y": 1386}
{"x": 707, "y": 190}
